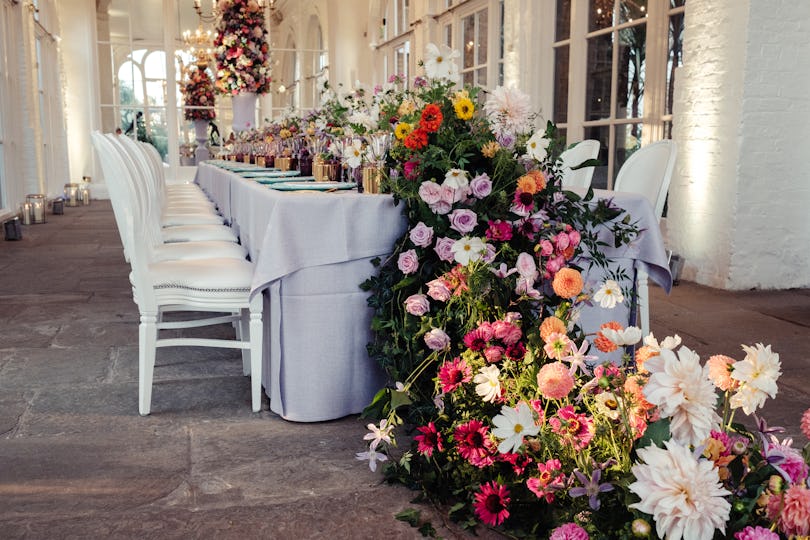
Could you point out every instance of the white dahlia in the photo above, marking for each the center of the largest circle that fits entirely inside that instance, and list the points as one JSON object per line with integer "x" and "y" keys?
{"x": 683, "y": 392}
{"x": 682, "y": 493}
{"x": 757, "y": 373}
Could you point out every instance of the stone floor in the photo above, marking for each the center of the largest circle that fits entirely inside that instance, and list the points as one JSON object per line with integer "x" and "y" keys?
{"x": 77, "y": 461}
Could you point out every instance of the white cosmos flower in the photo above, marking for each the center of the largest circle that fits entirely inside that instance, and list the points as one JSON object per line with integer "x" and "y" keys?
{"x": 609, "y": 294}
{"x": 468, "y": 249}
{"x": 372, "y": 456}
{"x": 683, "y": 392}
{"x": 608, "y": 404}
{"x": 757, "y": 373}
{"x": 512, "y": 425}
{"x": 670, "y": 342}
{"x": 628, "y": 336}
{"x": 537, "y": 146}
{"x": 682, "y": 493}
{"x": 487, "y": 384}
{"x": 439, "y": 62}
{"x": 353, "y": 153}
{"x": 456, "y": 179}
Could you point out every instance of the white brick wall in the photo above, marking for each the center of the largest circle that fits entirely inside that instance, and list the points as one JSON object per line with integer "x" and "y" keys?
{"x": 739, "y": 199}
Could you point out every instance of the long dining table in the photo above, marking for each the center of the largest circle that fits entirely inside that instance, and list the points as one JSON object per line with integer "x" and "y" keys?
{"x": 311, "y": 251}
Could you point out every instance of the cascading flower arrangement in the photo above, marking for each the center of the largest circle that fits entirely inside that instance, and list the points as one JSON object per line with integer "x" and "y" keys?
{"x": 242, "y": 52}
{"x": 512, "y": 418}
{"x": 198, "y": 91}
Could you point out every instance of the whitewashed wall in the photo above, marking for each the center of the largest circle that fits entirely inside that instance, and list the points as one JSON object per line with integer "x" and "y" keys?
{"x": 739, "y": 199}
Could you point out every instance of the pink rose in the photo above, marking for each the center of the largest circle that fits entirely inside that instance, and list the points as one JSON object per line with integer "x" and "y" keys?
{"x": 421, "y": 235}
{"x": 444, "y": 248}
{"x": 439, "y": 291}
{"x": 430, "y": 192}
{"x": 553, "y": 265}
{"x": 493, "y": 354}
{"x": 499, "y": 230}
{"x": 463, "y": 220}
{"x": 436, "y": 339}
{"x": 417, "y": 304}
{"x": 546, "y": 248}
{"x": 408, "y": 262}
{"x": 574, "y": 237}
{"x": 481, "y": 186}
{"x": 506, "y": 332}
{"x": 562, "y": 241}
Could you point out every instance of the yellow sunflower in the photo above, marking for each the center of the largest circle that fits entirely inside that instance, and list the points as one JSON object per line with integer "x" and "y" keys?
{"x": 402, "y": 130}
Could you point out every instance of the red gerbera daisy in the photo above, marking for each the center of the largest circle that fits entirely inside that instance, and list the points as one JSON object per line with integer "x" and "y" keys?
{"x": 416, "y": 139}
{"x": 429, "y": 440}
{"x": 474, "y": 445}
{"x": 491, "y": 503}
{"x": 453, "y": 374}
{"x": 431, "y": 118}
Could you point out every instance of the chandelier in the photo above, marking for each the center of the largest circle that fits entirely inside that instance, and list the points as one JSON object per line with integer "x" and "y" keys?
{"x": 198, "y": 43}
{"x": 216, "y": 11}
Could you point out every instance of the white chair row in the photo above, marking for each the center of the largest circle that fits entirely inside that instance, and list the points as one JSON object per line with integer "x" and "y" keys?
{"x": 648, "y": 172}
{"x": 208, "y": 280}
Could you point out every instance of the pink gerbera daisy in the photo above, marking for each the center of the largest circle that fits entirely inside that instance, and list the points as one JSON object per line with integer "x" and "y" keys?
{"x": 474, "y": 444}
{"x": 491, "y": 503}
{"x": 573, "y": 428}
{"x": 453, "y": 374}
{"x": 429, "y": 440}
{"x": 477, "y": 339}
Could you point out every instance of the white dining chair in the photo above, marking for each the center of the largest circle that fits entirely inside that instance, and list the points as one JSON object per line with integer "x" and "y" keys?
{"x": 207, "y": 291}
{"x": 648, "y": 172}
{"x": 575, "y": 156}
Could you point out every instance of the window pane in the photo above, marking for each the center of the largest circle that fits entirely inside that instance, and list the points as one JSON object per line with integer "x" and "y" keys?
{"x": 630, "y": 72}
{"x": 156, "y": 93}
{"x": 677, "y": 3}
{"x": 468, "y": 39}
{"x": 561, "y": 55}
{"x": 467, "y": 77}
{"x": 600, "y": 69}
{"x": 600, "y": 14}
{"x": 601, "y": 134}
{"x": 482, "y": 41}
{"x": 448, "y": 35}
{"x": 632, "y": 10}
{"x": 563, "y": 20}
{"x": 481, "y": 76}
{"x": 628, "y": 140}
{"x": 675, "y": 55}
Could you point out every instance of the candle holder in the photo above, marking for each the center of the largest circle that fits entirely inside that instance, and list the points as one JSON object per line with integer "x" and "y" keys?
{"x": 13, "y": 229}
{"x": 25, "y": 213}
{"x": 372, "y": 177}
{"x": 37, "y": 207}
{"x": 71, "y": 194}
{"x": 58, "y": 207}
{"x": 84, "y": 195}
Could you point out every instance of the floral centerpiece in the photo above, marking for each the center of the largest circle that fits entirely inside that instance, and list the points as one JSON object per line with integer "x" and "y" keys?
{"x": 513, "y": 418}
{"x": 242, "y": 52}
{"x": 198, "y": 91}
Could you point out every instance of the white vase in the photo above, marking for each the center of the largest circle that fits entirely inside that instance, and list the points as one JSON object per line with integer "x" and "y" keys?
{"x": 244, "y": 111}
{"x": 201, "y": 135}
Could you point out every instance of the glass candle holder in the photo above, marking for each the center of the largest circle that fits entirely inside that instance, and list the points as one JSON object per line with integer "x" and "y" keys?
{"x": 37, "y": 202}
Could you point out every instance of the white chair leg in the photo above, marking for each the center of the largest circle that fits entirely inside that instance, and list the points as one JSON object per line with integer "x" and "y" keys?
{"x": 643, "y": 295}
{"x": 147, "y": 338}
{"x": 256, "y": 338}
{"x": 242, "y": 327}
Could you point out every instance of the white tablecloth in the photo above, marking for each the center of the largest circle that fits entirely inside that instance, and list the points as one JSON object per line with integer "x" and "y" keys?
{"x": 311, "y": 250}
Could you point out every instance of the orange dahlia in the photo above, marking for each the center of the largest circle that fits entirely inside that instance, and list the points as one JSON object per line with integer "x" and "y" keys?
{"x": 567, "y": 283}
{"x": 551, "y": 325}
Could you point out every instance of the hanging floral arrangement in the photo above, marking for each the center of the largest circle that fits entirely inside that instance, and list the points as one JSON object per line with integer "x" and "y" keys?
{"x": 241, "y": 49}
{"x": 198, "y": 91}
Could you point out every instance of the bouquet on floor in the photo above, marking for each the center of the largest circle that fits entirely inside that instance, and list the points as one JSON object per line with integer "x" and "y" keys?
{"x": 511, "y": 415}
{"x": 198, "y": 91}
{"x": 242, "y": 53}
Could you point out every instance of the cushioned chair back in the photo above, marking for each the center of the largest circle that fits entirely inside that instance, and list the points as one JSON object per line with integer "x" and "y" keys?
{"x": 574, "y": 156}
{"x": 119, "y": 194}
{"x": 648, "y": 172}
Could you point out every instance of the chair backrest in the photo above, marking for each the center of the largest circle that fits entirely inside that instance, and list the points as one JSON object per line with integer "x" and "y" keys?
{"x": 648, "y": 172}
{"x": 575, "y": 156}
{"x": 119, "y": 193}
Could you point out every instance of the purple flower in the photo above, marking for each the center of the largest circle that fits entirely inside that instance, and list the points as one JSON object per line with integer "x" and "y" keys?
{"x": 438, "y": 290}
{"x": 463, "y": 220}
{"x": 408, "y": 262}
{"x": 436, "y": 339}
{"x": 417, "y": 304}
{"x": 421, "y": 235}
{"x": 430, "y": 192}
{"x": 444, "y": 248}
{"x": 420, "y": 82}
{"x": 481, "y": 186}
{"x": 506, "y": 140}
{"x": 590, "y": 487}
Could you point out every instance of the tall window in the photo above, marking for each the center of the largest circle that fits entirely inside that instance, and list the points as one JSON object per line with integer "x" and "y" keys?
{"x": 395, "y": 33}
{"x": 612, "y": 83}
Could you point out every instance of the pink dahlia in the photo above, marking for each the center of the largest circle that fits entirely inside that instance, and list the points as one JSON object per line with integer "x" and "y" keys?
{"x": 793, "y": 463}
{"x": 720, "y": 367}
{"x": 429, "y": 440}
{"x": 491, "y": 503}
{"x": 554, "y": 381}
{"x": 755, "y": 533}
{"x": 474, "y": 444}
{"x": 574, "y": 428}
{"x": 791, "y": 510}
{"x": 453, "y": 374}
{"x": 569, "y": 531}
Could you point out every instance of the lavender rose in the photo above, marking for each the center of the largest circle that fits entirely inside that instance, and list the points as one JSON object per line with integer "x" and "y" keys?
{"x": 444, "y": 248}
{"x": 421, "y": 235}
{"x": 436, "y": 339}
{"x": 430, "y": 192}
{"x": 481, "y": 186}
{"x": 438, "y": 290}
{"x": 463, "y": 220}
{"x": 417, "y": 304}
{"x": 408, "y": 262}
